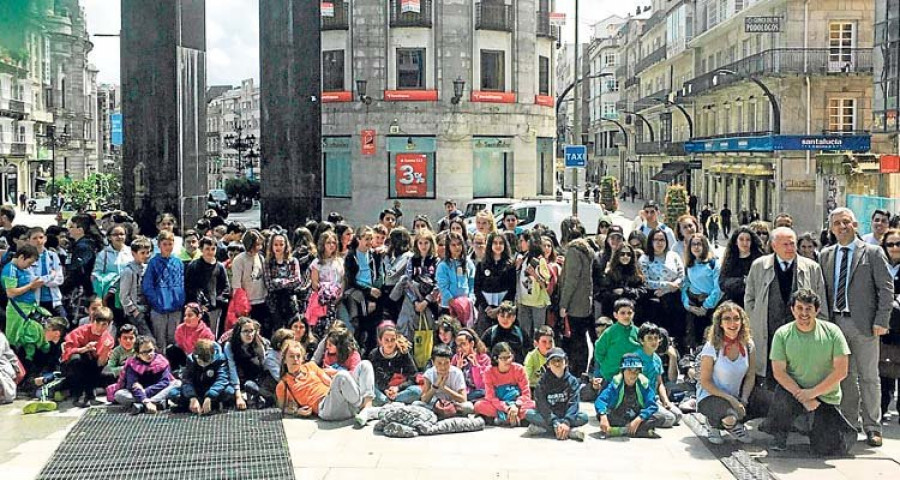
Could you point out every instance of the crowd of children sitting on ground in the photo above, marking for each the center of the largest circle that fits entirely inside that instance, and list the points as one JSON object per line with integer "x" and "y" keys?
{"x": 412, "y": 328}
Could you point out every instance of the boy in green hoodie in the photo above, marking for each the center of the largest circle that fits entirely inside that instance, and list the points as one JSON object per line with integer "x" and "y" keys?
{"x": 616, "y": 341}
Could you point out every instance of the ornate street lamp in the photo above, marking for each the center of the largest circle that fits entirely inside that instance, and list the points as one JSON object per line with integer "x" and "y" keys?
{"x": 459, "y": 86}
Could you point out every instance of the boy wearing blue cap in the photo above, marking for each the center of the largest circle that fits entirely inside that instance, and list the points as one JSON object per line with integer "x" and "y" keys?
{"x": 627, "y": 406}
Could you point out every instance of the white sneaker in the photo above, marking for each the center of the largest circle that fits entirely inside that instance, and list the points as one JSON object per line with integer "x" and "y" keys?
{"x": 740, "y": 433}
{"x": 715, "y": 437}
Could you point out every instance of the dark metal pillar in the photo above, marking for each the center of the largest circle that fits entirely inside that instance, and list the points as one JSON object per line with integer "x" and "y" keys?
{"x": 290, "y": 129}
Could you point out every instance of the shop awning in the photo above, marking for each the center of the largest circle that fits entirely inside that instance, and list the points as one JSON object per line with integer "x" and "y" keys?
{"x": 669, "y": 172}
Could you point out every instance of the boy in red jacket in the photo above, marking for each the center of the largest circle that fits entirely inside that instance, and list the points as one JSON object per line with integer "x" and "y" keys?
{"x": 85, "y": 352}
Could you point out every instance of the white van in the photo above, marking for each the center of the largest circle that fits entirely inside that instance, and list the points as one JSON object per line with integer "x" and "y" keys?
{"x": 553, "y": 213}
{"x": 494, "y": 205}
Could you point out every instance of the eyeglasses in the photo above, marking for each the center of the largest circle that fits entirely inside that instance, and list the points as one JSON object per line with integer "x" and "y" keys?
{"x": 892, "y": 244}
{"x": 248, "y": 332}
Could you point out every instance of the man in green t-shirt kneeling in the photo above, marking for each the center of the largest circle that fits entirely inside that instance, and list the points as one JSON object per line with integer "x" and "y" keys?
{"x": 809, "y": 358}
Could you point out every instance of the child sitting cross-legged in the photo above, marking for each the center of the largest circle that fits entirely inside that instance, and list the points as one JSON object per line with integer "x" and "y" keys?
{"x": 507, "y": 396}
{"x": 147, "y": 380}
{"x": 627, "y": 405}
{"x": 394, "y": 367}
{"x": 445, "y": 386}
{"x": 649, "y": 336}
{"x": 556, "y": 395}
{"x": 472, "y": 359}
{"x": 126, "y": 336}
{"x": 205, "y": 383}
{"x": 86, "y": 351}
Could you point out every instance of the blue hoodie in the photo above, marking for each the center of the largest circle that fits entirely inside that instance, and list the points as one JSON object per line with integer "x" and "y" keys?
{"x": 210, "y": 381}
{"x": 557, "y": 398}
{"x": 163, "y": 284}
{"x": 611, "y": 396}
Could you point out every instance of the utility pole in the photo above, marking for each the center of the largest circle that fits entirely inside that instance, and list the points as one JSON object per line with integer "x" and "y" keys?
{"x": 577, "y": 96}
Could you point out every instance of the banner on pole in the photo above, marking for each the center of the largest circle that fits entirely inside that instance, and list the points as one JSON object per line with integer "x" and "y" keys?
{"x": 327, "y": 9}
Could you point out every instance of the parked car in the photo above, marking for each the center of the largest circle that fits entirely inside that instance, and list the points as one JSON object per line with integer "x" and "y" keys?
{"x": 218, "y": 200}
{"x": 552, "y": 213}
{"x": 495, "y": 205}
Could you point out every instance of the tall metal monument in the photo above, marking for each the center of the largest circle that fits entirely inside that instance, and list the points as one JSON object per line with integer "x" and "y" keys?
{"x": 163, "y": 64}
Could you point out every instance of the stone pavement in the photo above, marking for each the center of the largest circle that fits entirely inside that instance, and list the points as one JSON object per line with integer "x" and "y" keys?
{"x": 335, "y": 451}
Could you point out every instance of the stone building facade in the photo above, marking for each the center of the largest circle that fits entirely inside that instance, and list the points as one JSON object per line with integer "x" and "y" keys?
{"x": 410, "y": 139}
{"x": 715, "y": 129}
{"x": 226, "y": 112}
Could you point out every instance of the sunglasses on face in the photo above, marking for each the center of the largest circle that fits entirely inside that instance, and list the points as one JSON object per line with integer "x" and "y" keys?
{"x": 892, "y": 244}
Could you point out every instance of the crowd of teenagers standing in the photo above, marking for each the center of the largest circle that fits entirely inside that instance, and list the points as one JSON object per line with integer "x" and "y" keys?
{"x": 494, "y": 323}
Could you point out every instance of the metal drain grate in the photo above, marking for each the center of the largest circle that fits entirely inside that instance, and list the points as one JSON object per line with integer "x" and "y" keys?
{"x": 106, "y": 445}
{"x": 741, "y": 464}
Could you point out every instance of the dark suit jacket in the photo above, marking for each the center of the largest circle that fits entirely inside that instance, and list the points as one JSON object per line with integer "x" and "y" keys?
{"x": 871, "y": 291}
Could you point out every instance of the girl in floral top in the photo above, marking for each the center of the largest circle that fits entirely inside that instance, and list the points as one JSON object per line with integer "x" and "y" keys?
{"x": 664, "y": 275}
{"x": 282, "y": 277}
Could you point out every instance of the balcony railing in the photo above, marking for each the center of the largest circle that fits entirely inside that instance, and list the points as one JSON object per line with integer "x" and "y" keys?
{"x": 422, "y": 18}
{"x": 493, "y": 17}
{"x": 674, "y": 149}
{"x": 341, "y": 18}
{"x": 17, "y": 106}
{"x": 608, "y": 152}
{"x": 632, "y": 81}
{"x": 764, "y": 133}
{"x": 544, "y": 29}
{"x": 653, "y": 58}
{"x": 18, "y": 149}
{"x": 654, "y": 20}
{"x": 647, "y": 148}
{"x": 778, "y": 61}
{"x": 652, "y": 99}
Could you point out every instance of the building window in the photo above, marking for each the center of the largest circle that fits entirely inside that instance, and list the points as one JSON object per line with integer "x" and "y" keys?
{"x": 410, "y": 68}
{"x": 493, "y": 78}
{"x": 842, "y": 114}
{"x": 841, "y": 40}
{"x": 543, "y": 76}
{"x": 333, "y": 70}
{"x": 609, "y": 59}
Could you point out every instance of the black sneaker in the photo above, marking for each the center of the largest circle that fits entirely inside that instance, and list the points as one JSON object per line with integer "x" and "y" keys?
{"x": 81, "y": 402}
{"x": 136, "y": 409}
{"x": 780, "y": 444}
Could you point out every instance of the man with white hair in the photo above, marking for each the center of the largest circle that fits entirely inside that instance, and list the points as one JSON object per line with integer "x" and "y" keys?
{"x": 860, "y": 295}
{"x": 772, "y": 280}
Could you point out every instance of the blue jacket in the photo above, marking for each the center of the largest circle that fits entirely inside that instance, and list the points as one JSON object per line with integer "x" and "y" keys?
{"x": 451, "y": 283}
{"x": 557, "y": 398}
{"x": 163, "y": 284}
{"x": 210, "y": 381}
{"x": 49, "y": 262}
{"x": 611, "y": 396}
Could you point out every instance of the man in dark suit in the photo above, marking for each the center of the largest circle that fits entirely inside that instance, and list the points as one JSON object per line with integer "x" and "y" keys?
{"x": 860, "y": 290}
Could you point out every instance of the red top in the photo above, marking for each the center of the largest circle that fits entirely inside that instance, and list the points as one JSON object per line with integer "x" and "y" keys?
{"x": 82, "y": 336}
{"x": 186, "y": 337}
{"x": 351, "y": 363}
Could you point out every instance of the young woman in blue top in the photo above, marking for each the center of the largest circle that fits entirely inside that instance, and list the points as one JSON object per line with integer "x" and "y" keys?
{"x": 700, "y": 293}
{"x": 455, "y": 275}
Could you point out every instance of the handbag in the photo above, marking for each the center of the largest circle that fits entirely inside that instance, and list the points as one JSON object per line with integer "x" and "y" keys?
{"x": 423, "y": 342}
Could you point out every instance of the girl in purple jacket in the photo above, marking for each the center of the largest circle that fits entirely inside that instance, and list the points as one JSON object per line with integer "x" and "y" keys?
{"x": 146, "y": 381}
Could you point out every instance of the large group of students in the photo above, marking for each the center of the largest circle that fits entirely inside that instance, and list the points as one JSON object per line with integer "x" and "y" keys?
{"x": 486, "y": 326}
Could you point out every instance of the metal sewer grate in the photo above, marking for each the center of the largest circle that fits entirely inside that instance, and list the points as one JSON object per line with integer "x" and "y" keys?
{"x": 741, "y": 464}
{"x": 107, "y": 445}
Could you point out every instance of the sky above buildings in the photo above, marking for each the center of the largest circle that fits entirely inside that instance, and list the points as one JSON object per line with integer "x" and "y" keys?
{"x": 232, "y": 34}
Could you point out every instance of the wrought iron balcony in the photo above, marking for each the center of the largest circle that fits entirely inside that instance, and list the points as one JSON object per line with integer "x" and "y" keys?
{"x": 782, "y": 61}
{"x": 651, "y": 100}
{"x": 653, "y": 58}
{"x": 647, "y": 148}
{"x": 673, "y": 149}
{"x": 632, "y": 81}
{"x": 544, "y": 29}
{"x": 490, "y": 16}
{"x": 18, "y": 149}
{"x": 422, "y": 18}
{"x": 341, "y": 18}
{"x": 607, "y": 152}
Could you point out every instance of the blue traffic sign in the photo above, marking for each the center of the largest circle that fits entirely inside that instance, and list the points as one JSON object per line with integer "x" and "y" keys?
{"x": 576, "y": 156}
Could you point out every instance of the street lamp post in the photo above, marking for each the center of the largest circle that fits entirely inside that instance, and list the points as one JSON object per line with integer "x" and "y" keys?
{"x": 54, "y": 141}
{"x": 242, "y": 143}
